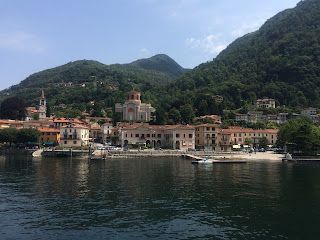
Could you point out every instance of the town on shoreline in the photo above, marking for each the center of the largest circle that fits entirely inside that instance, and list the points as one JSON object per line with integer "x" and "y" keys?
{"x": 136, "y": 133}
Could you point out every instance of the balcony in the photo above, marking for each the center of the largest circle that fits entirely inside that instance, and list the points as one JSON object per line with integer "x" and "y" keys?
{"x": 70, "y": 137}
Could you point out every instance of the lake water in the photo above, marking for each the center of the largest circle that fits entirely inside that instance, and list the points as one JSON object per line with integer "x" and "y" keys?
{"x": 160, "y": 198}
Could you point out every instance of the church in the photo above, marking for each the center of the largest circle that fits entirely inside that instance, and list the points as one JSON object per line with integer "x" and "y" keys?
{"x": 133, "y": 109}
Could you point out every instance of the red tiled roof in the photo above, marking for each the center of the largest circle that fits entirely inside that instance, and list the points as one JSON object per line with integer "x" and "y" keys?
{"x": 207, "y": 125}
{"x": 74, "y": 126}
{"x": 45, "y": 129}
{"x": 247, "y": 130}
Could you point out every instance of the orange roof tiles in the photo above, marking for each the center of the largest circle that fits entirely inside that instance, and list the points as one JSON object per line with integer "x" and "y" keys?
{"x": 45, "y": 129}
{"x": 207, "y": 125}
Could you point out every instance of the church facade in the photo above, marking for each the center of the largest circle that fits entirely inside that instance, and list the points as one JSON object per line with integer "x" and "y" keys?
{"x": 133, "y": 109}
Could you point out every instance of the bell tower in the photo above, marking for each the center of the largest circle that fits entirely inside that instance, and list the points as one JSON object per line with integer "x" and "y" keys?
{"x": 42, "y": 107}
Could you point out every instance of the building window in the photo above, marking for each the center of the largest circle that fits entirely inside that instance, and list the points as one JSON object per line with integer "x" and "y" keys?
{"x": 235, "y": 134}
{"x": 48, "y": 133}
{"x": 126, "y": 135}
{"x": 159, "y": 135}
{"x": 148, "y": 135}
{"x": 184, "y": 135}
{"x": 239, "y": 134}
{"x": 190, "y": 135}
{"x": 240, "y": 139}
{"x": 208, "y": 129}
{"x": 74, "y": 142}
{"x": 137, "y": 135}
{"x": 65, "y": 142}
{"x": 131, "y": 135}
{"x": 177, "y": 135}
{"x": 213, "y": 135}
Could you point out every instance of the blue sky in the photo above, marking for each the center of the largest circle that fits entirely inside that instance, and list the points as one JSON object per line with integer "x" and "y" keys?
{"x": 39, "y": 34}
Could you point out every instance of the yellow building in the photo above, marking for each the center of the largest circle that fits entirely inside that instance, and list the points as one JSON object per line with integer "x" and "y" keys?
{"x": 206, "y": 136}
{"x": 49, "y": 135}
{"x": 227, "y": 138}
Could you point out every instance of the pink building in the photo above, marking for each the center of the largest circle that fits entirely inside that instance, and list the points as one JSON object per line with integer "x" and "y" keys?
{"x": 171, "y": 136}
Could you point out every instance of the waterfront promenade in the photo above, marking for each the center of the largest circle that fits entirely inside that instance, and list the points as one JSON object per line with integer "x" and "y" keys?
{"x": 177, "y": 153}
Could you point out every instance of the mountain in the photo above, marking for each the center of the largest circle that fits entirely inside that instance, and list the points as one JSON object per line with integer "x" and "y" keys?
{"x": 86, "y": 80}
{"x": 281, "y": 60}
{"x": 158, "y": 63}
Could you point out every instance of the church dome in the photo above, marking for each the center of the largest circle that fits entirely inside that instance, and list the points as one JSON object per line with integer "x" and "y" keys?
{"x": 133, "y": 96}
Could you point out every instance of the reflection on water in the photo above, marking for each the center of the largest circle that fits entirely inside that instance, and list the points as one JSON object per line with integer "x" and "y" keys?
{"x": 157, "y": 198}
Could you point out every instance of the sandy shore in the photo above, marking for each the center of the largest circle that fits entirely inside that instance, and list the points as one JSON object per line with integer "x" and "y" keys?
{"x": 253, "y": 156}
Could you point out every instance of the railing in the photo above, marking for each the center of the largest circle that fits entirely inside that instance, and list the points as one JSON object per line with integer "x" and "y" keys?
{"x": 69, "y": 137}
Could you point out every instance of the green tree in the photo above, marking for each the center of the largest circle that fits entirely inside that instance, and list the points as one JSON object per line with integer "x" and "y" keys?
{"x": 203, "y": 108}
{"x": 187, "y": 113}
{"x": 174, "y": 115}
{"x": 116, "y": 118}
{"x": 26, "y": 135}
{"x": 36, "y": 116}
{"x": 263, "y": 142}
{"x": 300, "y": 135}
{"x": 248, "y": 141}
{"x": 161, "y": 118}
{"x": 13, "y": 108}
{"x": 8, "y": 135}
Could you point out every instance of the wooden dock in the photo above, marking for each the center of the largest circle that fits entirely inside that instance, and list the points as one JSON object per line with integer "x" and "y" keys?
{"x": 195, "y": 159}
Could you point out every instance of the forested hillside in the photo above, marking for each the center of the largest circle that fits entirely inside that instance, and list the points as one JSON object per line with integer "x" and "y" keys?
{"x": 77, "y": 83}
{"x": 281, "y": 60}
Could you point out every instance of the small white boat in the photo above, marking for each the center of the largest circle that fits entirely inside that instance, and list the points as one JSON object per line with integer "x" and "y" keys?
{"x": 204, "y": 161}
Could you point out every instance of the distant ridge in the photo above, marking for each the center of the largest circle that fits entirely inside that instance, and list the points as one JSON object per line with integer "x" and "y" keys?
{"x": 87, "y": 76}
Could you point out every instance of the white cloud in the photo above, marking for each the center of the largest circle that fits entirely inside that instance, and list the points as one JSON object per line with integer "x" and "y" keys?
{"x": 21, "y": 41}
{"x": 247, "y": 28}
{"x": 210, "y": 44}
{"x": 144, "y": 52}
{"x": 193, "y": 43}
